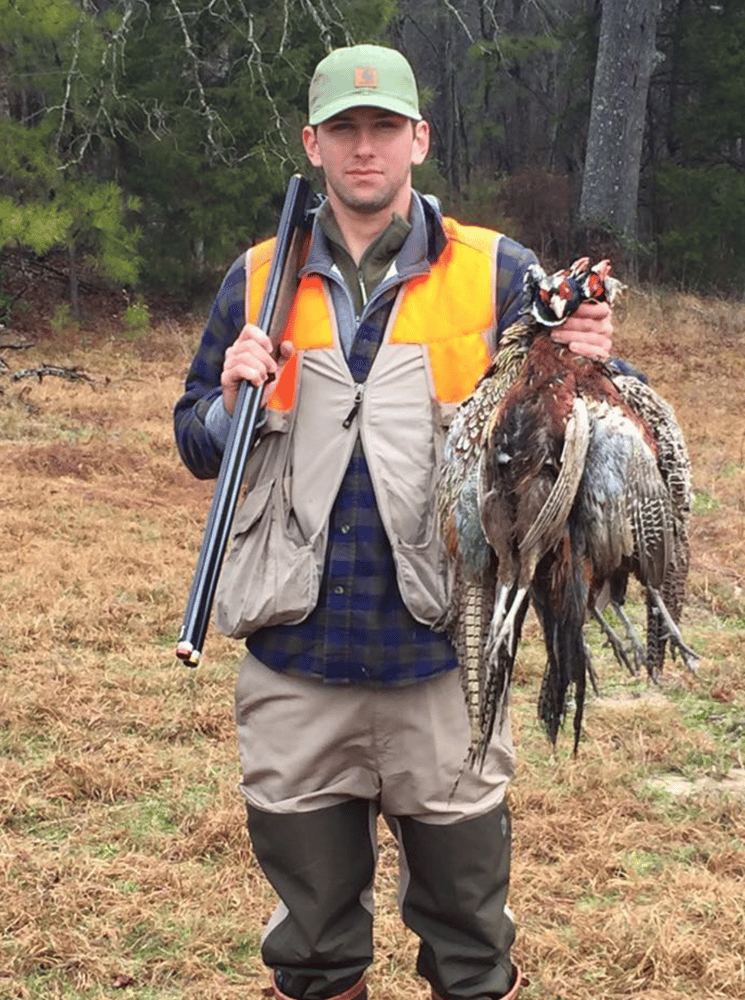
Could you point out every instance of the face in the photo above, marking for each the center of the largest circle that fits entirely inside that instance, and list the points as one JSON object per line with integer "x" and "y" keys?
{"x": 366, "y": 155}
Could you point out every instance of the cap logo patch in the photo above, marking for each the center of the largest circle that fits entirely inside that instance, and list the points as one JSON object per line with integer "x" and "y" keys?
{"x": 365, "y": 76}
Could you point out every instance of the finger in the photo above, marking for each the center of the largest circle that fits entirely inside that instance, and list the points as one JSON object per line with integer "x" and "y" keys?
{"x": 255, "y": 374}
{"x": 588, "y": 321}
{"x": 589, "y": 336}
{"x": 286, "y": 350}
{"x": 243, "y": 368}
{"x": 567, "y": 335}
{"x": 596, "y": 310}
{"x": 250, "y": 332}
{"x": 580, "y": 330}
{"x": 249, "y": 353}
{"x": 590, "y": 350}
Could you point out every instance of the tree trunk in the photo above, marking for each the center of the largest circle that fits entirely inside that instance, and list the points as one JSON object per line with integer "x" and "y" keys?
{"x": 4, "y": 89}
{"x": 74, "y": 300}
{"x": 619, "y": 99}
{"x": 450, "y": 100}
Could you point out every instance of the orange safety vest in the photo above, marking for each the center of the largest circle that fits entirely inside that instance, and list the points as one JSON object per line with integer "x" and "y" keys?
{"x": 450, "y": 310}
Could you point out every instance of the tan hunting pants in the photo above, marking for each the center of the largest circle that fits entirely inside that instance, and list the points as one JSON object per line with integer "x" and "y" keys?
{"x": 320, "y": 762}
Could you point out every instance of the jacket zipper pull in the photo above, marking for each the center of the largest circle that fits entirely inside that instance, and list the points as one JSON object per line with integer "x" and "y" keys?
{"x": 347, "y": 422}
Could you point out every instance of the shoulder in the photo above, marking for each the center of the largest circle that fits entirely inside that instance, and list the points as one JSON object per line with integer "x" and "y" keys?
{"x": 513, "y": 261}
{"x": 255, "y": 258}
{"x": 514, "y": 257}
{"x": 258, "y": 257}
{"x": 235, "y": 279}
{"x": 478, "y": 238}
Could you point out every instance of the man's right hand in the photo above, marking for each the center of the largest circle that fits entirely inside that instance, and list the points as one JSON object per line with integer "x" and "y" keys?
{"x": 251, "y": 359}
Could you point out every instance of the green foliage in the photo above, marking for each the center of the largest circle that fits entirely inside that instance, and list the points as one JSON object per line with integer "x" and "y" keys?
{"x": 137, "y": 316}
{"x": 699, "y": 190}
{"x": 27, "y": 163}
{"x": 6, "y": 303}
{"x": 155, "y": 140}
{"x": 50, "y": 197}
{"x": 509, "y": 52}
{"x": 62, "y": 318}
{"x": 100, "y": 229}
{"x": 31, "y": 21}
{"x": 710, "y": 41}
{"x": 702, "y": 240}
{"x": 210, "y": 133}
{"x": 83, "y": 214}
{"x": 29, "y": 216}
{"x": 36, "y": 226}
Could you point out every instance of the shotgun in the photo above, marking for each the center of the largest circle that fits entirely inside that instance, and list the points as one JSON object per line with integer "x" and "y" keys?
{"x": 282, "y": 281}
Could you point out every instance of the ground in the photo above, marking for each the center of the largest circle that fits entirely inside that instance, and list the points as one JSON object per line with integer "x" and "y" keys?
{"x": 125, "y": 869}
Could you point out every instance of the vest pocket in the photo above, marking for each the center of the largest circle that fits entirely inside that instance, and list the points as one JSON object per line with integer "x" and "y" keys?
{"x": 270, "y": 574}
{"x": 424, "y": 577}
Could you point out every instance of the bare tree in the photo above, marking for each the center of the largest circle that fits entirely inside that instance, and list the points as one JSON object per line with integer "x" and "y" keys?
{"x": 626, "y": 56}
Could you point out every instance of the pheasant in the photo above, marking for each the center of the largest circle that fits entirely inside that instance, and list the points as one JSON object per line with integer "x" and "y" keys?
{"x": 473, "y": 560}
{"x": 664, "y": 603}
{"x": 560, "y": 478}
{"x": 484, "y": 678}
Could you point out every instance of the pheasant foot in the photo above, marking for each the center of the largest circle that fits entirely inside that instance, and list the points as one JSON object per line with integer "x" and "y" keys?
{"x": 689, "y": 656}
{"x": 615, "y": 643}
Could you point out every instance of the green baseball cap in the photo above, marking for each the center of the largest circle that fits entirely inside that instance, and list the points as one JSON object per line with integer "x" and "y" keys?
{"x": 362, "y": 76}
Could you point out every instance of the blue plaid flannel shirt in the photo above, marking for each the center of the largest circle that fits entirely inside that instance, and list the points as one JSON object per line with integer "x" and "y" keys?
{"x": 360, "y": 631}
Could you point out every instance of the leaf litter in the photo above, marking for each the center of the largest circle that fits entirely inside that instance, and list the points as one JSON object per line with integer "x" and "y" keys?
{"x": 125, "y": 867}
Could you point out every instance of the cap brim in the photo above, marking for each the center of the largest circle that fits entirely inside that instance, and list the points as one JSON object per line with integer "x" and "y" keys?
{"x": 364, "y": 99}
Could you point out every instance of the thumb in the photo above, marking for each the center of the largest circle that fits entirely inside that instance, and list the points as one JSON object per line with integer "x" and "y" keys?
{"x": 284, "y": 352}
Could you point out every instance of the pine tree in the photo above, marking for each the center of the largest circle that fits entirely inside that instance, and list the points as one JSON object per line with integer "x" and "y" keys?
{"x": 53, "y": 111}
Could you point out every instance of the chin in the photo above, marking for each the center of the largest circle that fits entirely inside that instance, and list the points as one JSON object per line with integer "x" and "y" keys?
{"x": 368, "y": 206}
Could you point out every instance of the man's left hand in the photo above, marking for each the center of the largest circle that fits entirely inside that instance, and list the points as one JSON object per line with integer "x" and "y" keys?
{"x": 588, "y": 331}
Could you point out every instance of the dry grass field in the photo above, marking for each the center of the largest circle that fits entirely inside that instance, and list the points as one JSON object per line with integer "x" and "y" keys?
{"x": 125, "y": 868}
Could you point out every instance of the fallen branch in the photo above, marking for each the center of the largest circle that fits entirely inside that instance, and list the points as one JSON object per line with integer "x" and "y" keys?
{"x": 7, "y": 346}
{"x": 74, "y": 374}
{"x": 60, "y": 275}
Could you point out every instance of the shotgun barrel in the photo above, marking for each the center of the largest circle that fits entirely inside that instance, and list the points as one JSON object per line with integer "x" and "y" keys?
{"x": 240, "y": 439}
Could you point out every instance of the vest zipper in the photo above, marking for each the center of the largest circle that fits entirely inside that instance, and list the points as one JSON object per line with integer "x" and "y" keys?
{"x": 361, "y": 281}
{"x": 358, "y": 390}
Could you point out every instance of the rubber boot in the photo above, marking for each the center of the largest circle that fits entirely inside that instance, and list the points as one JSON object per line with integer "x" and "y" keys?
{"x": 356, "y": 992}
{"x": 321, "y": 863}
{"x": 455, "y": 900}
{"x": 512, "y": 995}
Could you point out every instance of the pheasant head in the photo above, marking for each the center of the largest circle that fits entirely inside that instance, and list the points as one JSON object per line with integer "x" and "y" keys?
{"x": 551, "y": 298}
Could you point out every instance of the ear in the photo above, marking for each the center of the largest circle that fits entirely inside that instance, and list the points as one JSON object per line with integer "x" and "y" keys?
{"x": 310, "y": 143}
{"x": 421, "y": 143}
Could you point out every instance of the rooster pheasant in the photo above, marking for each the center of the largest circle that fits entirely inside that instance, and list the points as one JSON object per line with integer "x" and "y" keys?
{"x": 560, "y": 479}
{"x": 473, "y": 560}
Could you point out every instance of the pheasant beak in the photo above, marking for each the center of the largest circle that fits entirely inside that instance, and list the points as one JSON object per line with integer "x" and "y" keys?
{"x": 559, "y": 305}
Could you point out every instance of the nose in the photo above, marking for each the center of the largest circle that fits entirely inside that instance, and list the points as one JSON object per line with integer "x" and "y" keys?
{"x": 364, "y": 142}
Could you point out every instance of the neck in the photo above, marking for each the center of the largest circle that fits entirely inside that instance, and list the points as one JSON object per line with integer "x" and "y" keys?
{"x": 359, "y": 229}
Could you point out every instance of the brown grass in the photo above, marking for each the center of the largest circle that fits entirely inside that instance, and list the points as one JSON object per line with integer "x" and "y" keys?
{"x": 125, "y": 870}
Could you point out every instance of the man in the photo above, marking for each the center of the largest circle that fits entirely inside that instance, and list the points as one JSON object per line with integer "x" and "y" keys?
{"x": 348, "y": 703}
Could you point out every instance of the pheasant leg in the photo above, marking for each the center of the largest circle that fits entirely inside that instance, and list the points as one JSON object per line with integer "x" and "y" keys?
{"x": 615, "y": 643}
{"x": 689, "y": 656}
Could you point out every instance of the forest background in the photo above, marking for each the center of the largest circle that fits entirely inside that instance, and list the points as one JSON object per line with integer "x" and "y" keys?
{"x": 145, "y": 143}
